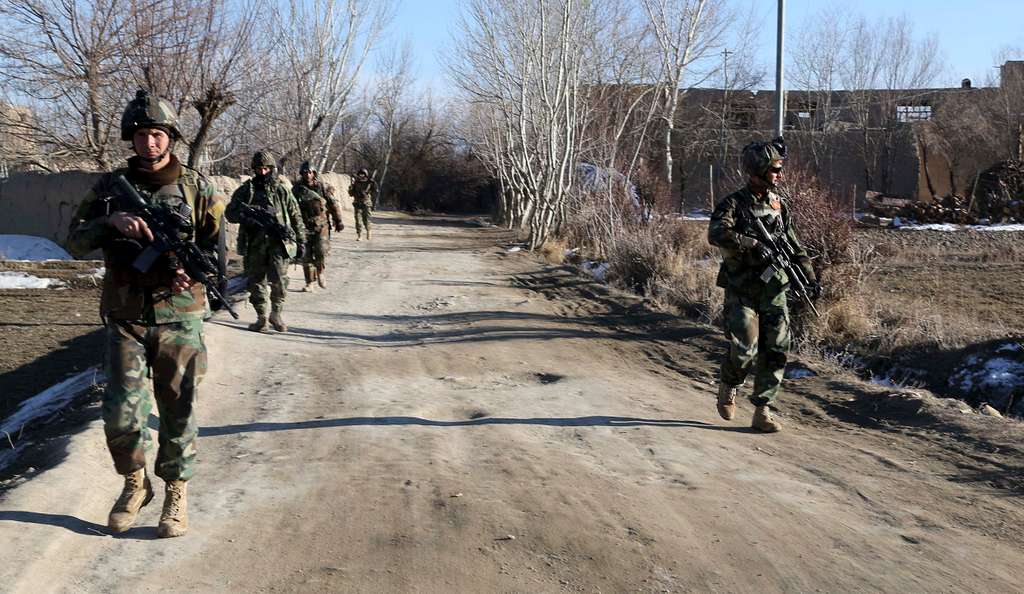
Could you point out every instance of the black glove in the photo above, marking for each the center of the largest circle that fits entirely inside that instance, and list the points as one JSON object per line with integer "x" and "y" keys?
{"x": 339, "y": 226}
{"x": 300, "y": 250}
{"x": 814, "y": 290}
{"x": 762, "y": 252}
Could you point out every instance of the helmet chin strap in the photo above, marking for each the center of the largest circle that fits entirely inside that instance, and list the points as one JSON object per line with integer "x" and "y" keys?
{"x": 158, "y": 158}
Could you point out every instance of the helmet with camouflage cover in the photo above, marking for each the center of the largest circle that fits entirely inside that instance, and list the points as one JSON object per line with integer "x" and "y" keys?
{"x": 263, "y": 158}
{"x": 759, "y": 156}
{"x": 306, "y": 167}
{"x": 149, "y": 111}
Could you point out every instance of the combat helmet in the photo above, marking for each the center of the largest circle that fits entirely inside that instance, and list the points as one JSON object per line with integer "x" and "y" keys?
{"x": 362, "y": 173}
{"x": 759, "y": 156}
{"x": 149, "y": 111}
{"x": 263, "y": 158}
{"x": 306, "y": 167}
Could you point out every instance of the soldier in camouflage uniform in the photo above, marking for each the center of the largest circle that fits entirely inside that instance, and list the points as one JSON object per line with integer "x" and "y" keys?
{"x": 320, "y": 211}
{"x": 361, "y": 190}
{"x": 756, "y": 314}
{"x": 266, "y": 257}
{"x": 153, "y": 320}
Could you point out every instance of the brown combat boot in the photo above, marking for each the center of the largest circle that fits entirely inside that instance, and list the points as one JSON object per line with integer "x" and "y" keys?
{"x": 260, "y": 325}
{"x": 310, "y": 275}
{"x": 320, "y": 278}
{"x": 137, "y": 492}
{"x": 727, "y": 400}
{"x": 764, "y": 422}
{"x": 174, "y": 519}
{"x": 277, "y": 321}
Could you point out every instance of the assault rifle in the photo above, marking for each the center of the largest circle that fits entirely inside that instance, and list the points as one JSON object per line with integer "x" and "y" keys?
{"x": 166, "y": 226}
{"x": 265, "y": 219}
{"x": 782, "y": 257}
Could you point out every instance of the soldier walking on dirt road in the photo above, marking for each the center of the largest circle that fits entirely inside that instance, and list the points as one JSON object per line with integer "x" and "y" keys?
{"x": 320, "y": 211}
{"x": 154, "y": 319}
{"x": 362, "y": 190}
{"x": 756, "y": 314}
{"x": 271, "y": 234}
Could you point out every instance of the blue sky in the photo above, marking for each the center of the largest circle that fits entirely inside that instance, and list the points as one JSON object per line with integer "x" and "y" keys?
{"x": 970, "y": 32}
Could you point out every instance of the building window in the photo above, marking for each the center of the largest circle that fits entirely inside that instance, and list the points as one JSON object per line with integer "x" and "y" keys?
{"x": 913, "y": 113}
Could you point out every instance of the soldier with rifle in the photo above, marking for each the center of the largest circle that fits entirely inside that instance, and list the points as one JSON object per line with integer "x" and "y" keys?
{"x": 362, "y": 190}
{"x": 157, "y": 222}
{"x": 270, "y": 235}
{"x": 320, "y": 211}
{"x": 761, "y": 260}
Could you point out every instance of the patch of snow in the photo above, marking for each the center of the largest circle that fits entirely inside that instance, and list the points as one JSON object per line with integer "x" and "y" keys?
{"x": 513, "y": 249}
{"x": 29, "y": 247}
{"x": 949, "y": 227}
{"x": 1000, "y": 227}
{"x": 997, "y": 376}
{"x": 799, "y": 373}
{"x": 888, "y": 382}
{"x": 697, "y": 215}
{"x": 24, "y": 280}
{"x": 927, "y": 227}
{"x": 1010, "y": 347}
{"x": 95, "y": 274}
{"x": 49, "y": 401}
{"x": 598, "y": 270}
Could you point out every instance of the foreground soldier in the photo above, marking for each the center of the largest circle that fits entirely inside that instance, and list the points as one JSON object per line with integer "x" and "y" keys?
{"x": 153, "y": 320}
{"x": 319, "y": 211}
{"x": 361, "y": 191}
{"x": 756, "y": 315}
{"x": 267, "y": 247}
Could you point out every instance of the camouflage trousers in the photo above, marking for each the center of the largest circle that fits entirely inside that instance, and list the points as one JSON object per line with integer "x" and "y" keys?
{"x": 164, "y": 363}
{"x": 757, "y": 327}
{"x": 267, "y": 273}
{"x": 318, "y": 246}
{"x": 362, "y": 213}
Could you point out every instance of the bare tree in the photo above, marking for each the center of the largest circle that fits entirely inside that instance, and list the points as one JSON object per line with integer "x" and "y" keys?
{"x": 200, "y": 54}
{"x": 686, "y": 31}
{"x": 520, "y": 64}
{"x": 390, "y": 108}
{"x": 321, "y": 58}
{"x": 65, "y": 61}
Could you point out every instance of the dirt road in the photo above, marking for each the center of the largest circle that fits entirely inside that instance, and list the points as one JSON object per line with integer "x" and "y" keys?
{"x": 451, "y": 417}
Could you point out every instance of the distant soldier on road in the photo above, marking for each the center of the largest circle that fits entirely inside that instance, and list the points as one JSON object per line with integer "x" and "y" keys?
{"x": 756, "y": 314}
{"x": 154, "y": 320}
{"x": 362, "y": 191}
{"x": 320, "y": 211}
{"x": 272, "y": 234}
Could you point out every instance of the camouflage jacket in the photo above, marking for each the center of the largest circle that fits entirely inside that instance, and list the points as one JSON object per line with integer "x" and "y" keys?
{"x": 362, "y": 192}
{"x": 127, "y": 293}
{"x": 732, "y": 224}
{"x": 263, "y": 195}
{"x": 318, "y": 205}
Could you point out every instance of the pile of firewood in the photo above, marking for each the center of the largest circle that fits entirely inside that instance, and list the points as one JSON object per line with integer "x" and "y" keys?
{"x": 997, "y": 197}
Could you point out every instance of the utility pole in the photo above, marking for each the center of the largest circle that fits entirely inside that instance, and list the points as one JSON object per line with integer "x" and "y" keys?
{"x": 725, "y": 101}
{"x": 780, "y": 100}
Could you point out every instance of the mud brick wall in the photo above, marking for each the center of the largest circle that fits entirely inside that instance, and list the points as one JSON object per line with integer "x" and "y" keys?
{"x": 42, "y": 204}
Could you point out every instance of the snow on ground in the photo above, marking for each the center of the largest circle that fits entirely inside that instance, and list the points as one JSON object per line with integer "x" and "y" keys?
{"x": 24, "y": 280}
{"x": 598, "y": 270}
{"x": 45, "y": 403}
{"x": 948, "y": 227}
{"x": 29, "y": 247}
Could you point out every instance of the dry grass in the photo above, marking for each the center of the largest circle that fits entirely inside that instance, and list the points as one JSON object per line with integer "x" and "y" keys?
{"x": 554, "y": 250}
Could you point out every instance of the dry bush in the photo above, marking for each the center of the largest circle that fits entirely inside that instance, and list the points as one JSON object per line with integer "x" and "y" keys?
{"x": 823, "y": 223}
{"x": 554, "y": 250}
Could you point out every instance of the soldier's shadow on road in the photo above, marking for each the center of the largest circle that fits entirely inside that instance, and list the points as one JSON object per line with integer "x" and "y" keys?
{"x": 76, "y": 525}
{"x": 590, "y": 421}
